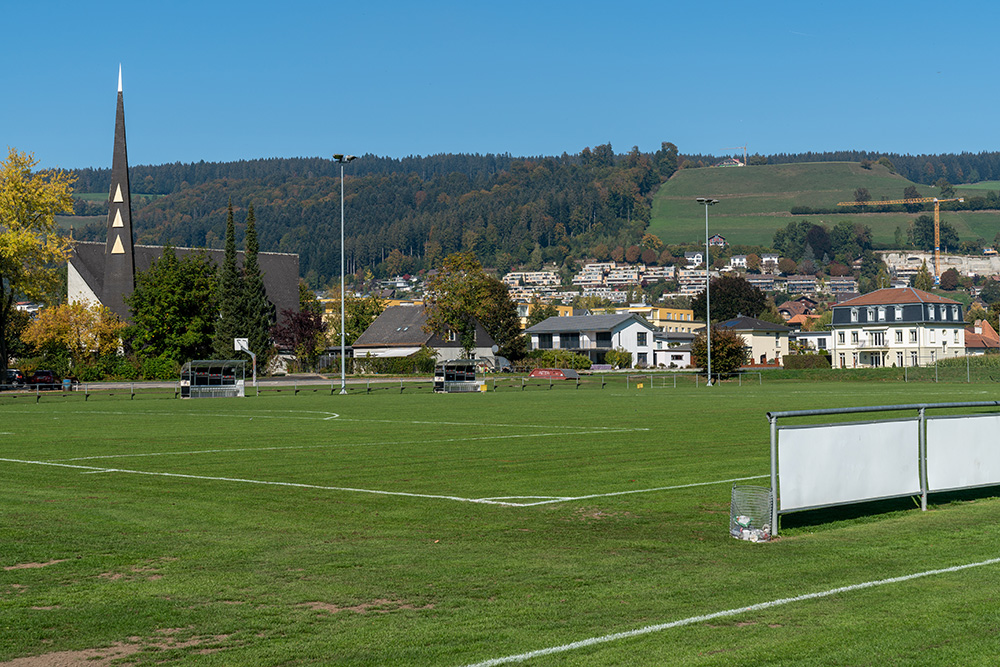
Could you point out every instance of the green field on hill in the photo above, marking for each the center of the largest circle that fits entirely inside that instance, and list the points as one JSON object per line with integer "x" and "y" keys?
{"x": 421, "y": 529}
{"x": 756, "y": 201}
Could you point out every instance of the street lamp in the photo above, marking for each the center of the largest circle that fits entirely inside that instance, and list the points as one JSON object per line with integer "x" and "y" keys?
{"x": 708, "y": 311}
{"x": 342, "y": 160}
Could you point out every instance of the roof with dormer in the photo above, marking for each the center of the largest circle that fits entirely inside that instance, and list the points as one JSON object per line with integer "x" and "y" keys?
{"x": 898, "y": 295}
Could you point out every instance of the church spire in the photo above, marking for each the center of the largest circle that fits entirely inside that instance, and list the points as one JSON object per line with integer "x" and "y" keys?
{"x": 119, "y": 254}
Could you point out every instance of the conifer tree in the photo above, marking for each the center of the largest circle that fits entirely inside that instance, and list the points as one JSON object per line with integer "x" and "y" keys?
{"x": 230, "y": 294}
{"x": 258, "y": 313}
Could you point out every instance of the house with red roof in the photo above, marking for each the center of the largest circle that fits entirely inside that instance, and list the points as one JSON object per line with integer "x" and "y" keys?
{"x": 897, "y": 327}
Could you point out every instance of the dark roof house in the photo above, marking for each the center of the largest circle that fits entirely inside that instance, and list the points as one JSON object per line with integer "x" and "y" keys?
{"x": 399, "y": 332}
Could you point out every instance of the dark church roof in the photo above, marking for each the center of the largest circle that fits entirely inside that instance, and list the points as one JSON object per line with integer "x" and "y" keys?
{"x": 281, "y": 270}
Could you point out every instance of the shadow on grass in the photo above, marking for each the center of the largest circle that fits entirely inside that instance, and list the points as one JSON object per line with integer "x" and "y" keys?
{"x": 869, "y": 511}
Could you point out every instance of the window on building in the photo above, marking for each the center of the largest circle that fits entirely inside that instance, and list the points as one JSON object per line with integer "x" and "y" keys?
{"x": 854, "y": 359}
{"x": 956, "y": 335}
{"x": 843, "y": 361}
{"x": 899, "y": 335}
{"x": 871, "y": 314}
{"x": 641, "y": 358}
{"x": 930, "y": 312}
{"x": 640, "y": 339}
{"x": 881, "y": 313}
{"x": 821, "y": 343}
{"x": 854, "y": 337}
{"x": 913, "y": 358}
{"x": 933, "y": 356}
{"x": 544, "y": 341}
{"x": 898, "y": 315}
{"x": 878, "y": 338}
{"x": 854, "y": 314}
{"x": 932, "y": 335}
{"x": 569, "y": 340}
{"x": 840, "y": 337}
{"x": 954, "y": 313}
{"x": 913, "y": 335}
{"x": 899, "y": 359}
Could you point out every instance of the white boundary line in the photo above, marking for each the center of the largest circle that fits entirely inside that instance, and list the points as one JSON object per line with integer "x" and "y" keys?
{"x": 336, "y": 445}
{"x": 481, "y": 501}
{"x": 649, "y": 629}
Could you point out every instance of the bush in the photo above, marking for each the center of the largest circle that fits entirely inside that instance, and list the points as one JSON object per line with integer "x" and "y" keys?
{"x": 618, "y": 358}
{"x": 797, "y": 361}
{"x": 159, "y": 368}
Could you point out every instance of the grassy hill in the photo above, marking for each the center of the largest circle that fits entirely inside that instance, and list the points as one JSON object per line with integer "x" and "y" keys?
{"x": 755, "y": 201}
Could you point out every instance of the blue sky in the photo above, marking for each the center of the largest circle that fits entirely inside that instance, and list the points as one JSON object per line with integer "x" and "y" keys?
{"x": 219, "y": 81}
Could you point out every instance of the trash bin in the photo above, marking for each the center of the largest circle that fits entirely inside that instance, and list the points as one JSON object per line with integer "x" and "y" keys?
{"x": 750, "y": 513}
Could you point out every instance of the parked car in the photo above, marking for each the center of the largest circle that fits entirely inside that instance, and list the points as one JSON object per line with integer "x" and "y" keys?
{"x": 44, "y": 380}
{"x": 15, "y": 378}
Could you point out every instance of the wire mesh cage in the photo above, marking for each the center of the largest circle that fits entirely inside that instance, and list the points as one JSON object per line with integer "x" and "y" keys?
{"x": 750, "y": 513}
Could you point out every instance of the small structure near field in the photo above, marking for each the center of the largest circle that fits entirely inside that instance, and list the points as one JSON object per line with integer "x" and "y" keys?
{"x": 457, "y": 376}
{"x": 213, "y": 379}
{"x": 555, "y": 374}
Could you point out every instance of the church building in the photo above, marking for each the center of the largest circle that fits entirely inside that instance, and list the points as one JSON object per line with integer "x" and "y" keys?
{"x": 105, "y": 272}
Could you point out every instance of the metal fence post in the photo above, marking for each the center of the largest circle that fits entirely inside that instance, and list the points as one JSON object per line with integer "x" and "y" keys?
{"x": 774, "y": 475}
{"x": 922, "y": 453}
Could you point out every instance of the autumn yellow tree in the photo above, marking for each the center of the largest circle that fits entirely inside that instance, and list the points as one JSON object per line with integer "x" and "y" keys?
{"x": 32, "y": 251}
{"x": 83, "y": 329}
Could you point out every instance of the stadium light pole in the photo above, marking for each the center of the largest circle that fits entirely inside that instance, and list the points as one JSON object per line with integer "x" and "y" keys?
{"x": 342, "y": 160}
{"x": 708, "y": 311}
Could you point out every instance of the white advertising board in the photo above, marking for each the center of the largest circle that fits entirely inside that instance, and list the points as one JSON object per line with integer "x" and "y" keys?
{"x": 963, "y": 451}
{"x": 844, "y": 463}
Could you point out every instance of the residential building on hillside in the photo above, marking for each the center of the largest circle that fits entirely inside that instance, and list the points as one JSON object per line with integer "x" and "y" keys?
{"x": 718, "y": 241}
{"x": 769, "y": 263}
{"x": 981, "y": 338}
{"x": 766, "y": 282}
{"x": 901, "y": 327}
{"x": 842, "y": 285}
{"x": 594, "y": 335}
{"x": 804, "y": 284}
{"x": 694, "y": 259}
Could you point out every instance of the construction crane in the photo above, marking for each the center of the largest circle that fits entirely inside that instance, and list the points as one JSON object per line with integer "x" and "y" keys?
{"x": 916, "y": 200}
{"x": 738, "y": 148}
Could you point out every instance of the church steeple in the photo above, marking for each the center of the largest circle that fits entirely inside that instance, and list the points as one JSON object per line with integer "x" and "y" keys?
{"x": 119, "y": 253}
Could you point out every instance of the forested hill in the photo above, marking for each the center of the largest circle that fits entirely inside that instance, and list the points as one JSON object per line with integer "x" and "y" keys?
{"x": 169, "y": 178}
{"x": 404, "y": 216}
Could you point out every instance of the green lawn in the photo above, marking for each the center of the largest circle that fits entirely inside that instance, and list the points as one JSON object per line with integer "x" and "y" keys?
{"x": 418, "y": 529}
{"x": 756, "y": 201}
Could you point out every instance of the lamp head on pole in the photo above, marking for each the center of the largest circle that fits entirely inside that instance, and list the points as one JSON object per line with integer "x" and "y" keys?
{"x": 701, "y": 200}
{"x": 339, "y": 157}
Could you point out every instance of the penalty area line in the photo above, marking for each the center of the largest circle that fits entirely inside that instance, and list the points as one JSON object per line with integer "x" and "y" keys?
{"x": 649, "y": 629}
{"x": 566, "y": 499}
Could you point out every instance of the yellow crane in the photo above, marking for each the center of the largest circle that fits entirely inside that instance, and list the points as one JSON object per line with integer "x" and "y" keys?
{"x": 916, "y": 200}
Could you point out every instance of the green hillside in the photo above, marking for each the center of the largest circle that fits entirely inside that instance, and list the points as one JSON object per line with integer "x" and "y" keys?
{"x": 755, "y": 201}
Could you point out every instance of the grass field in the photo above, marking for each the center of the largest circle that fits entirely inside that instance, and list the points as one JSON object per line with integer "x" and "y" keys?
{"x": 755, "y": 202}
{"x": 421, "y": 529}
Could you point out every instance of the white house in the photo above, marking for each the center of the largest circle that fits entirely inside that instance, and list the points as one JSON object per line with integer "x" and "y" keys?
{"x": 897, "y": 327}
{"x": 594, "y": 335}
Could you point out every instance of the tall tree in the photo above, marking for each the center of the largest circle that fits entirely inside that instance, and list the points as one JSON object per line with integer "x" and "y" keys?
{"x": 230, "y": 294}
{"x": 923, "y": 280}
{"x": 31, "y": 247}
{"x": 461, "y": 293}
{"x": 731, "y": 296}
{"x": 173, "y": 307}
{"x": 258, "y": 311}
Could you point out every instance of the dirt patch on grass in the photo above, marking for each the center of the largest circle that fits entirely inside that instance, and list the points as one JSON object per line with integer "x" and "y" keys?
{"x": 379, "y": 606}
{"x": 104, "y": 657}
{"x": 149, "y": 571}
{"x": 28, "y": 566}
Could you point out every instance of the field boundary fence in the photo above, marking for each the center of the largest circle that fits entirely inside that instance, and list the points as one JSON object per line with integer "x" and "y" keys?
{"x": 828, "y": 464}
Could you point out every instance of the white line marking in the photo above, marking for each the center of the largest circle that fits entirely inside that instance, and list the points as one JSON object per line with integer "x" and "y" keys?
{"x": 625, "y": 493}
{"x": 649, "y": 629}
{"x": 333, "y": 445}
{"x": 480, "y": 501}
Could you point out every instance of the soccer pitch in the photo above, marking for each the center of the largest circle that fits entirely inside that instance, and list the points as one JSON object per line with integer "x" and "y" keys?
{"x": 542, "y": 527}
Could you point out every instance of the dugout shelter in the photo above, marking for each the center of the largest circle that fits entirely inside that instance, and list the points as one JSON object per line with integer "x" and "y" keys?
{"x": 213, "y": 379}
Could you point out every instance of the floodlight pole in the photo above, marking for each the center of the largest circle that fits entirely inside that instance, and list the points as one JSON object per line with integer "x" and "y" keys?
{"x": 342, "y": 160}
{"x": 708, "y": 311}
